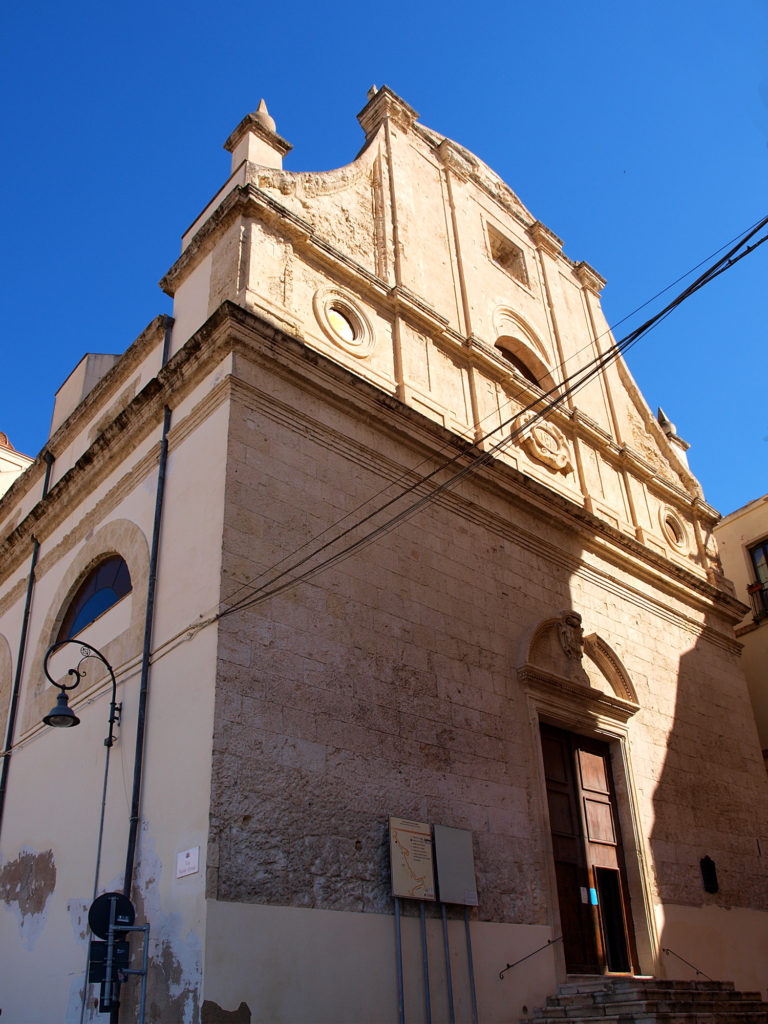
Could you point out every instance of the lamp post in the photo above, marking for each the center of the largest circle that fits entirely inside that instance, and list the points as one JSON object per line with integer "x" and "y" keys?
{"x": 63, "y": 717}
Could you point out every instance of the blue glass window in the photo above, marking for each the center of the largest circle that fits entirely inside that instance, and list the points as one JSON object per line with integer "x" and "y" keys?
{"x": 102, "y": 587}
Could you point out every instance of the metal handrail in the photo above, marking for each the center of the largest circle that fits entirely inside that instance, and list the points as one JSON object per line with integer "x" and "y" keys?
{"x": 547, "y": 944}
{"x": 671, "y": 952}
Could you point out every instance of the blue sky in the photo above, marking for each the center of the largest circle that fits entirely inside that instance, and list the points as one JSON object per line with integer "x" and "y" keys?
{"x": 637, "y": 133}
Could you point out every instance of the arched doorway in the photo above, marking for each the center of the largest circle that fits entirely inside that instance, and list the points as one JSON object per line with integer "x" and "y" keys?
{"x": 581, "y": 700}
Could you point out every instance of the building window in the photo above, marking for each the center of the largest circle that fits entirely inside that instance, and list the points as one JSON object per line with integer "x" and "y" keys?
{"x": 673, "y": 529}
{"x": 507, "y": 255}
{"x": 103, "y": 587}
{"x": 343, "y": 321}
{"x": 522, "y": 368}
{"x": 758, "y": 591}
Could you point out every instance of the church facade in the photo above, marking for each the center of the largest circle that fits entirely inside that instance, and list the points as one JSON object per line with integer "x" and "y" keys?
{"x": 365, "y": 539}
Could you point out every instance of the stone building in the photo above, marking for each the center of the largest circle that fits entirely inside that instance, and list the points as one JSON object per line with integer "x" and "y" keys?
{"x": 356, "y": 550}
{"x": 12, "y": 463}
{"x": 742, "y": 538}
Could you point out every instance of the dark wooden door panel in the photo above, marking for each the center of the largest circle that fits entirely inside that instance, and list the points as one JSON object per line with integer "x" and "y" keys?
{"x": 586, "y": 844}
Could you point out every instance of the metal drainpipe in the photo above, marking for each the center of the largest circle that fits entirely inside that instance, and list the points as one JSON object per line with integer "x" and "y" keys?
{"x": 49, "y": 460}
{"x": 138, "y": 762}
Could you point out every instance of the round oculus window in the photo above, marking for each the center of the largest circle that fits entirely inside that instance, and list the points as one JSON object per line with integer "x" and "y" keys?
{"x": 343, "y": 322}
{"x": 673, "y": 529}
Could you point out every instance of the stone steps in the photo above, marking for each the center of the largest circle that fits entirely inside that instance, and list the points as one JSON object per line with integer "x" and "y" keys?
{"x": 588, "y": 1000}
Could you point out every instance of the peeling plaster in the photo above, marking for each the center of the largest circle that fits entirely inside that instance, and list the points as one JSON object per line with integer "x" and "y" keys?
{"x": 26, "y": 885}
{"x": 175, "y": 959}
{"x": 78, "y": 918}
{"x": 213, "y": 1014}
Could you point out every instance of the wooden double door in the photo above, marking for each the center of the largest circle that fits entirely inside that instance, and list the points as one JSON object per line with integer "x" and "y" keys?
{"x": 589, "y": 859}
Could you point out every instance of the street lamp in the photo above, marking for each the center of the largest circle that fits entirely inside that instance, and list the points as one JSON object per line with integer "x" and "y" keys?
{"x": 62, "y": 716}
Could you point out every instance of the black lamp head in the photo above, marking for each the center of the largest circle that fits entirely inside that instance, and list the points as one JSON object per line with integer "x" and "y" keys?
{"x": 62, "y": 716}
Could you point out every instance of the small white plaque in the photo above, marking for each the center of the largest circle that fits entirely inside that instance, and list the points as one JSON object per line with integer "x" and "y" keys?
{"x": 187, "y": 862}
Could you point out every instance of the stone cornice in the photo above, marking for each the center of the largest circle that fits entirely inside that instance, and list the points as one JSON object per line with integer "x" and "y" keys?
{"x": 114, "y": 444}
{"x": 705, "y": 511}
{"x": 252, "y": 123}
{"x": 539, "y": 681}
{"x": 636, "y": 464}
{"x": 231, "y": 326}
{"x": 594, "y": 533}
{"x": 382, "y": 105}
{"x": 590, "y": 278}
{"x": 595, "y": 434}
{"x": 652, "y": 426}
{"x": 98, "y": 396}
{"x": 453, "y": 158}
{"x": 545, "y": 239}
{"x": 253, "y": 201}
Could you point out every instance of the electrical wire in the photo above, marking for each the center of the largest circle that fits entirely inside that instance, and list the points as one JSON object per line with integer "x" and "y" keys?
{"x": 553, "y": 398}
{"x": 251, "y": 583}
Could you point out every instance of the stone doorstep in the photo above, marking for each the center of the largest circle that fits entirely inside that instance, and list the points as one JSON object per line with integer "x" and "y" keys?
{"x": 587, "y": 983}
{"x": 650, "y": 1001}
{"x": 659, "y": 998}
{"x": 741, "y": 1011}
{"x": 745, "y": 1017}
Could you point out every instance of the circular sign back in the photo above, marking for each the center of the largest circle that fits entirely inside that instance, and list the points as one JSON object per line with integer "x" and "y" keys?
{"x": 98, "y": 915}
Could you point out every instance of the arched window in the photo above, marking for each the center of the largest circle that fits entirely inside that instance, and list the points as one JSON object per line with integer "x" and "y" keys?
{"x": 524, "y": 370}
{"x": 104, "y": 586}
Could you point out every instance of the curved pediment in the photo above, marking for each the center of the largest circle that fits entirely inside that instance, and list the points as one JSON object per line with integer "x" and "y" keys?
{"x": 583, "y": 669}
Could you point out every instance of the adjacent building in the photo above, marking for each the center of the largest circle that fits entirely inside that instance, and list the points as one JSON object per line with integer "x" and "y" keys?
{"x": 371, "y": 528}
{"x": 12, "y": 463}
{"x": 742, "y": 538}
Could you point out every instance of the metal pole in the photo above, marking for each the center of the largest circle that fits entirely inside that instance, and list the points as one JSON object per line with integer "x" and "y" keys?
{"x": 399, "y": 944}
{"x": 110, "y": 952}
{"x": 471, "y": 966}
{"x": 448, "y": 982}
{"x": 425, "y": 960}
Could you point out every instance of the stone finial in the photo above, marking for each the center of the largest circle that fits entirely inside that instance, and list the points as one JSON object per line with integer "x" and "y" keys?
{"x": 372, "y": 91}
{"x": 256, "y": 140}
{"x": 670, "y": 430}
{"x": 263, "y": 116}
{"x": 666, "y": 424}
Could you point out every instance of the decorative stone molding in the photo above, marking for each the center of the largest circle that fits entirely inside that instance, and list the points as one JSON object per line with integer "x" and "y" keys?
{"x": 559, "y": 658}
{"x": 343, "y": 322}
{"x": 571, "y": 635}
{"x": 590, "y": 278}
{"x": 612, "y": 668}
{"x": 508, "y": 323}
{"x": 573, "y": 697}
{"x": 119, "y": 537}
{"x": 385, "y": 104}
{"x": 545, "y": 442}
{"x": 453, "y": 158}
{"x": 546, "y": 240}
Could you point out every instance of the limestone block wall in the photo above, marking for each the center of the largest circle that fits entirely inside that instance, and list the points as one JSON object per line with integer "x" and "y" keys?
{"x": 390, "y": 683}
{"x": 444, "y": 277}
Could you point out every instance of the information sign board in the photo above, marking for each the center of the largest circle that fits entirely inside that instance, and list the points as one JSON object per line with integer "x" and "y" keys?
{"x": 410, "y": 854}
{"x": 455, "y": 866}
